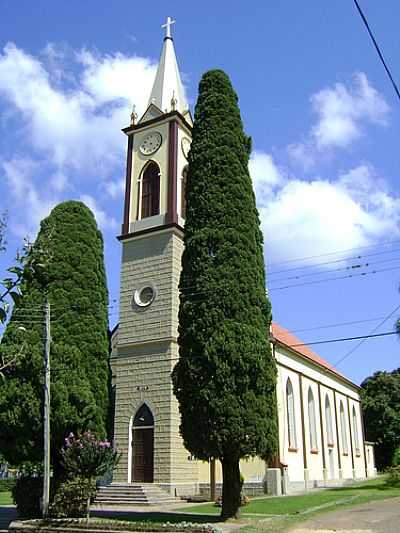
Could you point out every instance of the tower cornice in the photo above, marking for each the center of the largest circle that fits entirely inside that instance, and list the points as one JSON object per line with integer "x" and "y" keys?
{"x": 162, "y": 118}
{"x": 174, "y": 226}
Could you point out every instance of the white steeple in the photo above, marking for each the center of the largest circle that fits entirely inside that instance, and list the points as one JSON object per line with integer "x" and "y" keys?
{"x": 167, "y": 93}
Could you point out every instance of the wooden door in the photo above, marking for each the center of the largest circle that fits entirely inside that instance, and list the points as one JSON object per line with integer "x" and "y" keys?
{"x": 142, "y": 454}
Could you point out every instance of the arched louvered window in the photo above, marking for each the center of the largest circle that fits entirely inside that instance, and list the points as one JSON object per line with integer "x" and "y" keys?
{"x": 291, "y": 419}
{"x": 143, "y": 417}
{"x": 312, "y": 421}
{"x": 343, "y": 429}
{"x": 355, "y": 431}
{"x": 150, "y": 191}
{"x": 183, "y": 191}
{"x": 328, "y": 421}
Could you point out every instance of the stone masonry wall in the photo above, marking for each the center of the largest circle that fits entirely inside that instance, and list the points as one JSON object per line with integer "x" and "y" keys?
{"x": 146, "y": 354}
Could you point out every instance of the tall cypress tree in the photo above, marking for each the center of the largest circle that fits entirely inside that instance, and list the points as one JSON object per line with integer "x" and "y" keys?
{"x": 226, "y": 377}
{"x": 69, "y": 248}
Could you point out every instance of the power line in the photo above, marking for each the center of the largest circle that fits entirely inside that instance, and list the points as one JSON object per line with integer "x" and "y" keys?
{"x": 337, "y": 278}
{"x": 300, "y": 275}
{"x": 339, "y": 269}
{"x": 384, "y": 243}
{"x": 342, "y": 339}
{"x": 336, "y": 325}
{"x": 350, "y": 352}
{"x": 317, "y": 265}
{"x": 364, "y": 19}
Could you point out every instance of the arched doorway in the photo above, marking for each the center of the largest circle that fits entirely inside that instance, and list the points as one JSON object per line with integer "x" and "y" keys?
{"x": 143, "y": 446}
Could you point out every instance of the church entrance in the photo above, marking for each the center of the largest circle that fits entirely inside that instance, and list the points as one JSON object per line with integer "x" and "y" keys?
{"x": 143, "y": 446}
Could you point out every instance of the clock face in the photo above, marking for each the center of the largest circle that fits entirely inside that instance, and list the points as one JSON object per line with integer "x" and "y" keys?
{"x": 185, "y": 144}
{"x": 151, "y": 143}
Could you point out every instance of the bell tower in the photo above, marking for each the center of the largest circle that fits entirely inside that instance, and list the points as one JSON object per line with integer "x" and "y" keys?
{"x": 145, "y": 348}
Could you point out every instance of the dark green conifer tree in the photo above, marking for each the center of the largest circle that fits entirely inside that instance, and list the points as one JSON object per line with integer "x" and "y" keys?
{"x": 71, "y": 277}
{"x": 226, "y": 376}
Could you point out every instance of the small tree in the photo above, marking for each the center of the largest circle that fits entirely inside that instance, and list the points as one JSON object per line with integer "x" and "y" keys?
{"x": 84, "y": 459}
{"x": 380, "y": 396}
{"x": 88, "y": 457}
{"x": 224, "y": 316}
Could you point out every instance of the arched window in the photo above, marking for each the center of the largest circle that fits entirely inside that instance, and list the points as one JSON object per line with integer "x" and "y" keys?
{"x": 312, "y": 421}
{"x": 183, "y": 191}
{"x": 343, "y": 429}
{"x": 355, "y": 431}
{"x": 143, "y": 417}
{"x": 328, "y": 421}
{"x": 150, "y": 191}
{"x": 291, "y": 420}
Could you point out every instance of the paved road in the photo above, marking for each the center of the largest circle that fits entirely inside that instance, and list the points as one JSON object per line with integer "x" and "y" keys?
{"x": 7, "y": 515}
{"x": 375, "y": 517}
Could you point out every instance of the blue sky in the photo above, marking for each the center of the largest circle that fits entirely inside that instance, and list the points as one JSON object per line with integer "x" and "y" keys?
{"x": 324, "y": 120}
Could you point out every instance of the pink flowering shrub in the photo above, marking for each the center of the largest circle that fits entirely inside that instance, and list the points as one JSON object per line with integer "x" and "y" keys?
{"x": 86, "y": 457}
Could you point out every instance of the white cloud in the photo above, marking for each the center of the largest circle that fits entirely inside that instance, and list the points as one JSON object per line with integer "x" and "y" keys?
{"x": 70, "y": 114}
{"x": 301, "y": 153}
{"x": 342, "y": 112}
{"x": 342, "y": 115}
{"x": 305, "y": 218}
{"x": 78, "y": 128}
{"x": 115, "y": 188}
{"x": 103, "y": 220}
{"x": 265, "y": 174}
{"x": 31, "y": 203}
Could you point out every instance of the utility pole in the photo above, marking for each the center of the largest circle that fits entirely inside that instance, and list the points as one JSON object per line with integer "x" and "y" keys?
{"x": 46, "y": 422}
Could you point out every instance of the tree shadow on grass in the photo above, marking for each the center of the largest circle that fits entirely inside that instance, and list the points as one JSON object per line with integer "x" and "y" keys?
{"x": 156, "y": 517}
{"x": 372, "y": 486}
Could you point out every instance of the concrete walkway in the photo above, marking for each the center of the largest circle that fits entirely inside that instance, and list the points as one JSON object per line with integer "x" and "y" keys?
{"x": 374, "y": 517}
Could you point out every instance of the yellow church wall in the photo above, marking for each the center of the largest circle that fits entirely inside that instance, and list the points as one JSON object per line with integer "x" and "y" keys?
{"x": 292, "y": 457}
{"x": 322, "y": 463}
{"x": 330, "y": 448}
{"x": 252, "y": 470}
{"x": 314, "y": 456}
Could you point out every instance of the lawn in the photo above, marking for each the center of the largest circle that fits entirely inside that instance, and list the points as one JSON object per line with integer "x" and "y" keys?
{"x": 273, "y": 514}
{"x": 6, "y": 498}
{"x": 328, "y": 498}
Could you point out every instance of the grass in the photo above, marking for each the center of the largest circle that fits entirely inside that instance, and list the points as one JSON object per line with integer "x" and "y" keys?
{"x": 272, "y": 514}
{"x": 288, "y": 505}
{"x": 6, "y": 498}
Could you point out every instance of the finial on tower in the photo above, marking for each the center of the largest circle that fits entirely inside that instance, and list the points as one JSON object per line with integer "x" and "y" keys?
{"x": 167, "y": 27}
{"x": 174, "y": 101}
{"x": 134, "y": 115}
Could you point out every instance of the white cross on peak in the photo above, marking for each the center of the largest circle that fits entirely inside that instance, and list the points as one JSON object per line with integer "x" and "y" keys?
{"x": 167, "y": 27}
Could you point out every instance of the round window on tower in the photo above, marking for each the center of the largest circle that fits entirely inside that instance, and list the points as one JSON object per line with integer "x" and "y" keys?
{"x": 145, "y": 295}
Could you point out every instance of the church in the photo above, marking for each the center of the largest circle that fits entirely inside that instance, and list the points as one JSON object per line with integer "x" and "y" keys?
{"x": 321, "y": 431}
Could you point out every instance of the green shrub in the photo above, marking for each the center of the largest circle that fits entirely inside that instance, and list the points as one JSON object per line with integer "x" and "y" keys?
{"x": 6, "y": 485}
{"x": 84, "y": 456}
{"x": 393, "y": 478}
{"x": 72, "y": 498}
{"x": 396, "y": 457}
{"x": 26, "y": 494}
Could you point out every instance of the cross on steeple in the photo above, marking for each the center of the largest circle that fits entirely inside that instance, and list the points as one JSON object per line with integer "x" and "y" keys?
{"x": 167, "y": 27}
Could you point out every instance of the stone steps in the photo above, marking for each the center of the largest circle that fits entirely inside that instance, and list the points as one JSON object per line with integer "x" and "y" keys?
{"x": 126, "y": 494}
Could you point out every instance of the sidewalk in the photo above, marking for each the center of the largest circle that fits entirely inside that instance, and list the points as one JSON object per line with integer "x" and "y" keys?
{"x": 382, "y": 516}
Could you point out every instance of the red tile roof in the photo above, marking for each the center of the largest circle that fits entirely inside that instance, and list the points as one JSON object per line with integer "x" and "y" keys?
{"x": 283, "y": 336}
